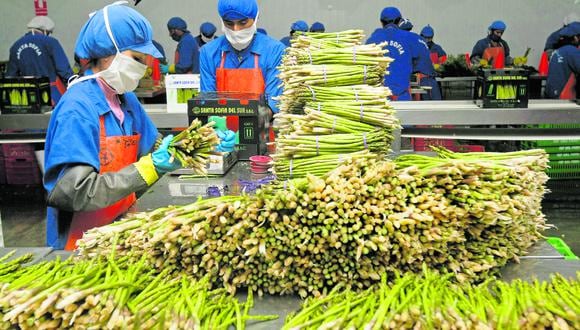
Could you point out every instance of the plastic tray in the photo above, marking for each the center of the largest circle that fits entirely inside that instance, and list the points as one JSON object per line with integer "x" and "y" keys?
{"x": 562, "y": 248}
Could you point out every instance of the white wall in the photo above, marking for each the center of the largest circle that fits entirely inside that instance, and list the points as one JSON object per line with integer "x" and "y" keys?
{"x": 458, "y": 24}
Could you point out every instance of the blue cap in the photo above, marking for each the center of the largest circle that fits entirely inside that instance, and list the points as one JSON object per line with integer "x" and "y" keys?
{"x": 237, "y": 9}
{"x": 177, "y": 23}
{"x": 390, "y": 14}
{"x": 427, "y": 31}
{"x": 130, "y": 29}
{"x": 570, "y": 30}
{"x": 497, "y": 25}
{"x": 406, "y": 25}
{"x": 207, "y": 29}
{"x": 262, "y": 31}
{"x": 317, "y": 27}
{"x": 299, "y": 26}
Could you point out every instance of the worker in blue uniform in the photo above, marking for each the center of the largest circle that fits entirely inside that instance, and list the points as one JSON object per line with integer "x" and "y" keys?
{"x": 562, "y": 81}
{"x": 553, "y": 40}
{"x": 38, "y": 54}
{"x": 406, "y": 24}
{"x": 206, "y": 34}
{"x": 242, "y": 60}
{"x": 100, "y": 142}
{"x": 401, "y": 49}
{"x": 493, "y": 47}
{"x": 187, "y": 52}
{"x": 438, "y": 55}
{"x": 317, "y": 27}
{"x": 298, "y": 26}
{"x": 424, "y": 69}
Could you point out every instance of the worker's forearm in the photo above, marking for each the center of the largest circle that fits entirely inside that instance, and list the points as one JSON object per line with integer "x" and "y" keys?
{"x": 81, "y": 188}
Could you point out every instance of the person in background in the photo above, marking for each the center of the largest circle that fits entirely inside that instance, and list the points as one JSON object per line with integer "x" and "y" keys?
{"x": 38, "y": 54}
{"x": 100, "y": 141}
{"x": 423, "y": 67}
{"x": 262, "y": 31}
{"x": 187, "y": 51}
{"x": 565, "y": 65}
{"x": 493, "y": 48}
{"x": 406, "y": 24}
{"x": 553, "y": 41}
{"x": 401, "y": 48}
{"x": 317, "y": 27}
{"x": 438, "y": 55}
{"x": 206, "y": 34}
{"x": 298, "y": 26}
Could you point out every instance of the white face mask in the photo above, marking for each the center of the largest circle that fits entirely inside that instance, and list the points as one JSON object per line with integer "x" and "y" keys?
{"x": 240, "y": 39}
{"x": 124, "y": 73}
{"x": 206, "y": 39}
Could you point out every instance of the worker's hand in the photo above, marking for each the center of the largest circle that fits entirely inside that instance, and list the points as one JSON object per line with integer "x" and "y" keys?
{"x": 436, "y": 66}
{"x": 164, "y": 68}
{"x": 162, "y": 160}
{"x": 171, "y": 68}
{"x": 520, "y": 61}
{"x": 227, "y": 141}
{"x": 483, "y": 63}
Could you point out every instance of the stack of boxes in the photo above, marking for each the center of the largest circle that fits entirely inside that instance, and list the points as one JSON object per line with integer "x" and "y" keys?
{"x": 18, "y": 165}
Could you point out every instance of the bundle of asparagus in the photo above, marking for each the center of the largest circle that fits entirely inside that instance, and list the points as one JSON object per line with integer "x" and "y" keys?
{"x": 331, "y": 75}
{"x": 432, "y": 301}
{"x": 372, "y": 54}
{"x": 327, "y": 40}
{"x": 365, "y": 218}
{"x": 192, "y": 146}
{"x": 113, "y": 294}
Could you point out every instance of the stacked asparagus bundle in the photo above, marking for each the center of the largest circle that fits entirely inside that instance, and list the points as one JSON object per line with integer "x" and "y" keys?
{"x": 113, "y": 295}
{"x": 432, "y": 301}
{"x": 366, "y": 218}
{"x": 192, "y": 146}
{"x": 332, "y": 101}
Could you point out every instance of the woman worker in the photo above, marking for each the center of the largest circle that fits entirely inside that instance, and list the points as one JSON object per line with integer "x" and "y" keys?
{"x": 99, "y": 139}
{"x": 241, "y": 60}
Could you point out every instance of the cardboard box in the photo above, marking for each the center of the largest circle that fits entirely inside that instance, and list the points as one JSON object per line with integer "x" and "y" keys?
{"x": 25, "y": 95}
{"x": 502, "y": 88}
{"x": 179, "y": 88}
{"x": 218, "y": 164}
{"x": 246, "y": 114}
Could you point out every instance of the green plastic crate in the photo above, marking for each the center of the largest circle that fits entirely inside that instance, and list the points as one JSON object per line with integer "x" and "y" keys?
{"x": 557, "y": 143}
{"x": 564, "y": 156}
{"x": 562, "y": 247}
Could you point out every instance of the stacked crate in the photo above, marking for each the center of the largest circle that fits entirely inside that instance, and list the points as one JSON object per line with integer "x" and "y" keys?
{"x": 564, "y": 155}
{"x": 20, "y": 165}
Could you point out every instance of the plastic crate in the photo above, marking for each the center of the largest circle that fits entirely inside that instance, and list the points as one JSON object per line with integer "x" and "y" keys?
{"x": 467, "y": 148}
{"x": 564, "y": 156}
{"x": 25, "y": 95}
{"x": 562, "y": 149}
{"x": 564, "y": 169}
{"x": 18, "y": 150}
{"x": 562, "y": 248}
{"x": 422, "y": 144}
{"x": 502, "y": 88}
{"x": 22, "y": 171}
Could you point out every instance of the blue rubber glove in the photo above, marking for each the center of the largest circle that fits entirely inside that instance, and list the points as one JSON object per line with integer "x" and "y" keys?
{"x": 162, "y": 159}
{"x": 227, "y": 141}
{"x": 164, "y": 68}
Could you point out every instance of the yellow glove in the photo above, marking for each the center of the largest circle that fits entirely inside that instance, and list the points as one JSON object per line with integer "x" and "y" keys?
{"x": 520, "y": 60}
{"x": 171, "y": 68}
{"x": 483, "y": 63}
{"x": 147, "y": 170}
{"x": 437, "y": 66}
{"x": 148, "y": 72}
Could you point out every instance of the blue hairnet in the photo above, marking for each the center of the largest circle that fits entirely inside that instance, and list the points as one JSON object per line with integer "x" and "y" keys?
{"x": 262, "y": 31}
{"x": 237, "y": 9}
{"x": 570, "y": 30}
{"x": 498, "y": 25}
{"x": 177, "y": 23}
{"x": 299, "y": 26}
{"x": 207, "y": 29}
{"x": 317, "y": 27}
{"x": 427, "y": 32}
{"x": 406, "y": 25}
{"x": 130, "y": 29}
{"x": 390, "y": 14}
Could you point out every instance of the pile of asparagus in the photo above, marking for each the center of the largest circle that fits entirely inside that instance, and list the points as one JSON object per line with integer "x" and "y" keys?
{"x": 192, "y": 146}
{"x": 333, "y": 97}
{"x": 432, "y": 301}
{"x": 112, "y": 294}
{"x": 468, "y": 214}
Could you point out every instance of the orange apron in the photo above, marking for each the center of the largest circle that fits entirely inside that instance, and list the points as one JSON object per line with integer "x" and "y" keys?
{"x": 243, "y": 81}
{"x": 569, "y": 90}
{"x": 495, "y": 56}
{"x": 116, "y": 153}
{"x": 59, "y": 86}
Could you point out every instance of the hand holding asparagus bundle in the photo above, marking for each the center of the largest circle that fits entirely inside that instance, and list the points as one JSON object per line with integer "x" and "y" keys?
{"x": 193, "y": 145}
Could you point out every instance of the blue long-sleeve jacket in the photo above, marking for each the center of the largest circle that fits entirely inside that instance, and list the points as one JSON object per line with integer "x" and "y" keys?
{"x": 269, "y": 53}
{"x": 564, "y": 62}
{"x": 401, "y": 49}
{"x": 483, "y": 44}
{"x": 286, "y": 41}
{"x": 39, "y": 55}
{"x": 436, "y": 48}
{"x": 552, "y": 40}
{"x": 187, "y": 55}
